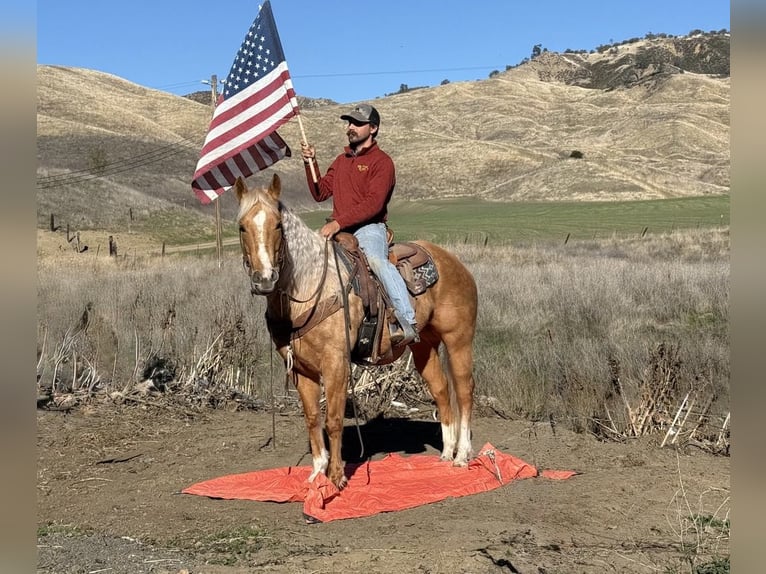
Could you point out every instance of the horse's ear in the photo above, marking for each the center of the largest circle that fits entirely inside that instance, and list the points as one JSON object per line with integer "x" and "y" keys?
{"x": 240, "y": 189}
{"x": 276, "y": 187}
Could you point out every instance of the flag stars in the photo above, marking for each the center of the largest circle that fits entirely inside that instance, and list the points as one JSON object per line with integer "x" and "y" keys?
{"x": 257, "y": 57}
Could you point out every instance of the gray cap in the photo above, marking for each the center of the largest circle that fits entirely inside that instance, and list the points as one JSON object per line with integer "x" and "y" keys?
{"x": 363, "y": 113}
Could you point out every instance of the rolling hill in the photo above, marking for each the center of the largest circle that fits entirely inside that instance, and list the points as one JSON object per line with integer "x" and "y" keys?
{"x": 644, "y": 119}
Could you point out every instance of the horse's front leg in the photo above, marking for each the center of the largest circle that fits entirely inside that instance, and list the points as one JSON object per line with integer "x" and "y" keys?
{"x": 335, "y": 379}
{"x": 310, "y": 392}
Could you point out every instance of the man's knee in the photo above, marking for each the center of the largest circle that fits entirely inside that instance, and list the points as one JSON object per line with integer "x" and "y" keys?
{"x": 376, "y": 263}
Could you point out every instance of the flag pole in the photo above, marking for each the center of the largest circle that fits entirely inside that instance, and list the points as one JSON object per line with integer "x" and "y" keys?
{"x": 218, "y": 226}
{"x": 303, "y": 136}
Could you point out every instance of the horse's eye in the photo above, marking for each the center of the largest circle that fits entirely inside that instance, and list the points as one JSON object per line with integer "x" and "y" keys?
{"x": 241, "y": 228}
{"x": 279, "y": 226}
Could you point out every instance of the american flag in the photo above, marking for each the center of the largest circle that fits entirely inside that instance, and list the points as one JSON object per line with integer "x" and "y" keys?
{"x": 257, "y": 98}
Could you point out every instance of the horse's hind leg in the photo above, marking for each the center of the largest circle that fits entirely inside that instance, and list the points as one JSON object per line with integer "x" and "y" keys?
{"x": 427, "y": 363}
{"x": 310, "y": 391}
{"x": 460, "y": 355}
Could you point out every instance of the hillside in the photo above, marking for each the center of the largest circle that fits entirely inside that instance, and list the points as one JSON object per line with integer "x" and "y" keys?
{"x": 644, "y": 126}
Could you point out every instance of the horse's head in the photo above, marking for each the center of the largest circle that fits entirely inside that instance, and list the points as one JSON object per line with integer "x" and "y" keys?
{"x": 260, "y": 234}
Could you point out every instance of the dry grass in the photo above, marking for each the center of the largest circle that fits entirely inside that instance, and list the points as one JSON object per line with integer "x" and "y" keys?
{"x": 608, "y": 338}
{"x": 700, "y": 524}
{"x": 604, "y": 336}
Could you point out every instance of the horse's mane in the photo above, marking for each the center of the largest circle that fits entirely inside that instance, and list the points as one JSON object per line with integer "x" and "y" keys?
{"x": 306, "y": 251}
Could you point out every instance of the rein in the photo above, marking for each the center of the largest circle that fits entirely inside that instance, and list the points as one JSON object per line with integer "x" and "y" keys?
{"x": 347, "y": 319}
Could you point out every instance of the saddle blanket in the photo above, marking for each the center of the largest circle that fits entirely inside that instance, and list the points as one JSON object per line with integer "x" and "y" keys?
{"x": 386, "y": 485}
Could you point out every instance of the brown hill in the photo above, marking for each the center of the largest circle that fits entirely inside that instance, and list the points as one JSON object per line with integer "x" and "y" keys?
{"x": 643, "y": 126}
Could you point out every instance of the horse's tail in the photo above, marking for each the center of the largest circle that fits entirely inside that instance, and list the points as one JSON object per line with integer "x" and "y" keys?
{"x": 453, "y": 402}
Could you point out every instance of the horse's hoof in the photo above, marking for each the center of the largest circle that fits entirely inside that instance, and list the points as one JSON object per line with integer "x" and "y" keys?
{"x": 446, "y": 457}
{"x": 461, "y": 463}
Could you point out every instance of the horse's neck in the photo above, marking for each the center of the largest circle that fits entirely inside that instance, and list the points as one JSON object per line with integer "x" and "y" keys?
{"x": 308, "y": 260}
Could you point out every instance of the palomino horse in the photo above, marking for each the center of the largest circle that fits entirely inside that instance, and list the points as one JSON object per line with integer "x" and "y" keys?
{"x": 294, "y": 268}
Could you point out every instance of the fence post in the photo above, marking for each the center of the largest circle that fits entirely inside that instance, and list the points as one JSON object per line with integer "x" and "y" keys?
{"x": 112, "y": 247}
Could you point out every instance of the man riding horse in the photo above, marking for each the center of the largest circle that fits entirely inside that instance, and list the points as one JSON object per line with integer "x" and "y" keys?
{"x": 361, "y": 182}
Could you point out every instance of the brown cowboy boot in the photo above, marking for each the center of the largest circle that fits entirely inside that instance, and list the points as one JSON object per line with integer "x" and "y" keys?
{"x": 403, "y": 333}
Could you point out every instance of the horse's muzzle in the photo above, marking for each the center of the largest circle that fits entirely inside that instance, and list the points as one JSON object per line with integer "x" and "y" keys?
{"x": 263, "y": 284}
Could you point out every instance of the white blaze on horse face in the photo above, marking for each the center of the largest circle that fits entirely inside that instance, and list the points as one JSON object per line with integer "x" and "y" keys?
{"x": 263, "y": 256}
{"x": 320, "y": 464}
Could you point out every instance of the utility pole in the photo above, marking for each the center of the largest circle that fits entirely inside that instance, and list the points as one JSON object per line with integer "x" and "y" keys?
{"x": 218, "y": 232}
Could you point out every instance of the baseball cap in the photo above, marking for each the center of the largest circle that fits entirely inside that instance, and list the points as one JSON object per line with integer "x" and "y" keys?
{"x": 363, "y": 113}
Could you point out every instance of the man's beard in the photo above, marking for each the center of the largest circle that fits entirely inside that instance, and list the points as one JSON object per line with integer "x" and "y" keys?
{"x": 353, "y": 139}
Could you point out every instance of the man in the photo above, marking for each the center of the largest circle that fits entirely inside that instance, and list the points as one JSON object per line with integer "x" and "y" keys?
{"x": 361, "y": 181}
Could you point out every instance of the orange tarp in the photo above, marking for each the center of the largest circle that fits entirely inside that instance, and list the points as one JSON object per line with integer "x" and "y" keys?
{"x": 392, "y": 483}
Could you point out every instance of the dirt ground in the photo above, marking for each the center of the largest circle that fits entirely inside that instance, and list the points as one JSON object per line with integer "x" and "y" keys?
{"x": 109, "y": 477}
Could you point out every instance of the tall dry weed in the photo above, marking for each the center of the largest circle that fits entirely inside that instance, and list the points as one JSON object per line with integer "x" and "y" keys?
{"x": 181, "y": 323}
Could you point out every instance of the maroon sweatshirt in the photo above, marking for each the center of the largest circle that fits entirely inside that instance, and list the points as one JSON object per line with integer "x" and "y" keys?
{"x": 360, "y": 186}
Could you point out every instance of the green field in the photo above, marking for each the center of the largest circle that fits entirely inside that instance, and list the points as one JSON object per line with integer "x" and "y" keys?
{"x": 477, "y": 221}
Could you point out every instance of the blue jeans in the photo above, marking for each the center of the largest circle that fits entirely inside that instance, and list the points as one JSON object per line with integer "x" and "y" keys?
{"x": 373, "y": 241}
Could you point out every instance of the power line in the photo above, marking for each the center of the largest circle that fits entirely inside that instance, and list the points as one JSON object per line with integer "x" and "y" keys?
{"x": 81, "y": 176}
{"x": 176, "y": 85}
{"x": 354, "y": 74}
{"x": 426, "y": 71}
{"x": 137, "y": 158}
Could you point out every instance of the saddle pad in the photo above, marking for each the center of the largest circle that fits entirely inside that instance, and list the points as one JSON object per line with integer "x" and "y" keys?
{"x": 420, "y": 278}
{"x": 390, "y": 484}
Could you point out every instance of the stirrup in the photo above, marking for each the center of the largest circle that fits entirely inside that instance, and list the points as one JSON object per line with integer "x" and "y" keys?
{"x": 404, "y": 334}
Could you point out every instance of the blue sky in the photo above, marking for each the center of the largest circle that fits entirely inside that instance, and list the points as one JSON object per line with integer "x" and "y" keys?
{"x": 346, "y": 51}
